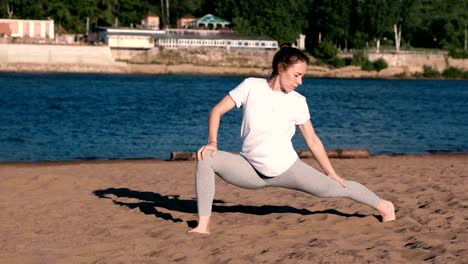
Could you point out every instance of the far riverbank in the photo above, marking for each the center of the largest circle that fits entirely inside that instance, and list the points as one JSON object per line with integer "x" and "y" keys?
{"x": 102, "y": 59}
{"x": 191, "y": 69}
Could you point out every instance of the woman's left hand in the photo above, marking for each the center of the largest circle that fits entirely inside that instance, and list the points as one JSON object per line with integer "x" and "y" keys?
{"x": 213, "y": 146}
{"x": 337, "y": 178}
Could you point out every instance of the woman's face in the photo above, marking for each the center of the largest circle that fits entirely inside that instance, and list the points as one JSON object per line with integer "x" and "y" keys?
{"x": 291, "y": 77}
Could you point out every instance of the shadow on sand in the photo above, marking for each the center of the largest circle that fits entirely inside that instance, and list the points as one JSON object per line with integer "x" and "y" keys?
{"x": 150, "y": 201}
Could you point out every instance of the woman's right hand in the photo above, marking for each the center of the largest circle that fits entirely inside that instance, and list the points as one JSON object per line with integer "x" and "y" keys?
{"x": 213, "y": 146}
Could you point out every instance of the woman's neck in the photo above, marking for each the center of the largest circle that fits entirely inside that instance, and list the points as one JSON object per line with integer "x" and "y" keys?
{"x": 274, "y": 84}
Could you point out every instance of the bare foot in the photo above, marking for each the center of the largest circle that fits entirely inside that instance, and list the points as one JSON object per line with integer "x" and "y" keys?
{"x": 387, "y": 211}
{"x": 202, "y": 227}
{"x": 200, "y": 231}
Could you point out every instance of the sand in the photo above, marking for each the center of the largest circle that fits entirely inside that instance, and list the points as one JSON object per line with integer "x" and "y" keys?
{"x": 139, "y": 211}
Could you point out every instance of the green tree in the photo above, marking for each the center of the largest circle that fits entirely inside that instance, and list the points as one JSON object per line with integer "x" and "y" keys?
{"x": 438, "y": 24}
{"x": 189, "y": 7}
{"x": 357, "y": 37}
{"x": 282, "y": 20}
{"x": 325, "y": 51}
{"x": 345, "y": 23}
{"x": 330, "y": 20}
{"x": 379, "y": 16}
{"x": 61, "y": 13}
{"x": 23, "y": 8}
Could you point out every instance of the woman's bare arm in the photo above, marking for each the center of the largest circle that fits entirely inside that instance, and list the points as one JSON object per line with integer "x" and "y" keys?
{"x": 315, "y": 146}
{"x": 214, "y": 119}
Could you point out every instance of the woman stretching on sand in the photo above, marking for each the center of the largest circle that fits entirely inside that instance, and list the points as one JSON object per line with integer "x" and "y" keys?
{"x": 271, "y": 110}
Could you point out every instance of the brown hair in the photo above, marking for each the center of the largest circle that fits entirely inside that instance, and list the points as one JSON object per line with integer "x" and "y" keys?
{"x": 287, "y": 56}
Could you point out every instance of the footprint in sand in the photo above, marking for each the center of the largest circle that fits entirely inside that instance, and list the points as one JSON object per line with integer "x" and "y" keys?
{"x": 416, "y": 250}
{"x": 315, "y": 242}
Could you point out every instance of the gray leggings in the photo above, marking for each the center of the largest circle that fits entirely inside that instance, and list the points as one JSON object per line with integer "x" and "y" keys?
{"x": 236, "y": 170}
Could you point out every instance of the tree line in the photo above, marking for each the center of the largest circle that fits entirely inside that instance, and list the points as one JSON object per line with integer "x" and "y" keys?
{"x": 348, "y": 24}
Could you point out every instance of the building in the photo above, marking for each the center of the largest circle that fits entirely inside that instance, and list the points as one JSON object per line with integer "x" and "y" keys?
{"x": 150, "y": 21}
{"x": 300, "y": 42}
{"x": 174, "y": 39}
{"x": 209, "y": 31}
{"x": 183, "y": 21}
{"x": 126, "y": 38}
{"x": 23, "y": 28}
{"x": 208, "y": 22}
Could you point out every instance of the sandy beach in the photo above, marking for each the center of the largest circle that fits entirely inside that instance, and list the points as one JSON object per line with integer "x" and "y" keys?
{"x": 139, "y": 211}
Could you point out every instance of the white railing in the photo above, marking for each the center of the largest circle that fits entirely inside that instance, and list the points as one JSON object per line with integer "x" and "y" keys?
{"x": 217, "y": 43}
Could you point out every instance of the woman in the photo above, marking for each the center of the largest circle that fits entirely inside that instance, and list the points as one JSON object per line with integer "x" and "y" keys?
{"x": 271, "y": 110}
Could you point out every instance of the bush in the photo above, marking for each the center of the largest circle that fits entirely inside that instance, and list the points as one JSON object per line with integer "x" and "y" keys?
{"x": 338, "y": 62}
{"x": 458, "y": 54}
{"x": 452, "y": 72}
{"x": 359, "y": 40}
{"x": 325, "y": 51}
{"x": 367, "y": 66}
{"x": 417, "y": 75}
{"x": 319, "y": 63}
{"x": 429, "y": 72}
{"x": 377, "y": 65}
{"x": 348, "y": 61}
{"x": 401, "y": 75}
{"x": 359, "y": 58}
{"x": 380, "y": 64}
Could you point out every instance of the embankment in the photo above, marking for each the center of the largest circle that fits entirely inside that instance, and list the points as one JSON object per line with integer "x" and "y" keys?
{"x": 55, "y": 54}
{"x": 101, "y": 59}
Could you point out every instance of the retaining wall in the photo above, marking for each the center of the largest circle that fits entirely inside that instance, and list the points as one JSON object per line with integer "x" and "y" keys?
{"x": 55, "y": 54}
{"x": 259, "y": 58}
{"x": 207, "y": 57}
{"x": 436, "y": 61}
{"x": 419, "y": 60}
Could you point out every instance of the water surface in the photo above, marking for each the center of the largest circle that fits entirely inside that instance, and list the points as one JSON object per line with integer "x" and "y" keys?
{"x": 90, "y": 116}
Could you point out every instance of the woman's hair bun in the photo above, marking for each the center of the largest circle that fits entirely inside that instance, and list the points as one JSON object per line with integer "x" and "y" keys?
{"x": 285, "y": 45}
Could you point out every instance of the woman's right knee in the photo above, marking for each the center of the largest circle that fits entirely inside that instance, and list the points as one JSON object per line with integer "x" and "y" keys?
{"x": 207, "y": 158}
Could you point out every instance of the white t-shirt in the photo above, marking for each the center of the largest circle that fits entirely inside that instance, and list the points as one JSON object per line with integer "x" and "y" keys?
{"x": 268, "y": 124}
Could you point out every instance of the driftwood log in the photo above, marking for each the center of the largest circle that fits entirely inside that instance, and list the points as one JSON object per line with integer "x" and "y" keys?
{"x": 338, "y": 153}
{"x": 303, "y": 154}
{"x": 177, "y": 155}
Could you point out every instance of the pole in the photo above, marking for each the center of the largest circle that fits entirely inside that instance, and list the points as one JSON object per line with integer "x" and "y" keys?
{"x": 162, "y": 12}
{"x": 466, "y": 37}
{"x": 167, "y": 13}
{"x": 87, "y": 26}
